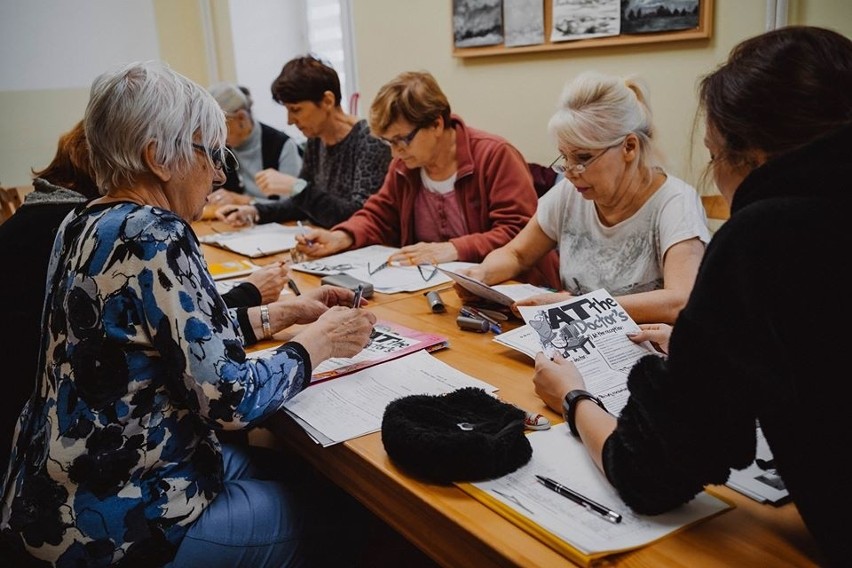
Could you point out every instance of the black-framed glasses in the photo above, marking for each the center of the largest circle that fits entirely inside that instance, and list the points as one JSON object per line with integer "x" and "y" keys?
{"x": 401, "y": 141}
{"x": 430, "y": 271}
{"x": 222, "y": 158}
{"x": 427, "y": 271}
{"x": 564, "y": 167}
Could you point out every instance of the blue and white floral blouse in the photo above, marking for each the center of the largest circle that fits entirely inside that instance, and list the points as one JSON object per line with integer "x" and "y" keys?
{"x": 115, "y": 454}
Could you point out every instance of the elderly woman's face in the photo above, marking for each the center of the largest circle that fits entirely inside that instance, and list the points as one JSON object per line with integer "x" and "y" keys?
{"x": 309, "y": 117}
{"x": 414, "y": 145}
{"x": 596, "y": 174}
{"x": 205, "y": 173}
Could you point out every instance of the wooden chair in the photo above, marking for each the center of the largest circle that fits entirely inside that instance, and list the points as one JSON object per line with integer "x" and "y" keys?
{"x": 717, "y": 210}
{"x": 10, "y": 200}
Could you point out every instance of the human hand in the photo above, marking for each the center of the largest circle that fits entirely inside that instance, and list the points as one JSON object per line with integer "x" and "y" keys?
{"x": 316, "y": 243}
{"x": 477, "y": 272}
{"x": 339, "y": 332}
{"x": 226, "y": 197}
{"x": 270, "y": 280}
{"x": 333, "y": 296}
{"x": 424, "y": 253}
{"x": 238, "y": 216}
{"x": 657, "y": 333}
{"x": 554, "y": 378}
{"x": 272, "y": 182}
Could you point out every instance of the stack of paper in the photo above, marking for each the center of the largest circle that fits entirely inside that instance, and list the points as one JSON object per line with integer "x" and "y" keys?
{"x": 760, "y": 481}
{"x": 569, "y": 528}
{"x": 256, "y": 241}
{"x": 353, "y": 405}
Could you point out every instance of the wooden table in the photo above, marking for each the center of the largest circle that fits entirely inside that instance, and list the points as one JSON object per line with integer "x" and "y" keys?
{"x": 456, "y": 530}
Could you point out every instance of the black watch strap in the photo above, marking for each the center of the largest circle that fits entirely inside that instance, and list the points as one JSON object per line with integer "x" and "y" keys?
{"x": 569, "y": 407}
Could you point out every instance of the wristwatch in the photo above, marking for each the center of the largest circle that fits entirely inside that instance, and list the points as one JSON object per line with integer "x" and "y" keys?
{"x": 569, "y": 407}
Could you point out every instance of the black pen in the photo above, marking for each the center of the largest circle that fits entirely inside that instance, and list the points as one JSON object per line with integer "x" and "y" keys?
{"x": 294, "y": 287}
{"x": 606, "y": 513}
{"x": 359, "y": 291}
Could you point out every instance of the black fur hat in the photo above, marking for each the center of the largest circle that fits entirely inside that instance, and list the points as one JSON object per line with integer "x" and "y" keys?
{"x": 465, "y": 435}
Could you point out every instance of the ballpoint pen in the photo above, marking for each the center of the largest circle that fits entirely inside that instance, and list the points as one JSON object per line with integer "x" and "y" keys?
{"x": 604, "y": 512}
{"x": 492, "y": 324}
{"x": 294, "y": 287}
{"x": 359, "y": 291}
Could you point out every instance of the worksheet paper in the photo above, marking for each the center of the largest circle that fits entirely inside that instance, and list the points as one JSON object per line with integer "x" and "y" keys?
{"x": 353, "y": 405}
{"x": 388, "y": 280}
{"x": 256, "y": 241}
{"x": 563, "y": 458}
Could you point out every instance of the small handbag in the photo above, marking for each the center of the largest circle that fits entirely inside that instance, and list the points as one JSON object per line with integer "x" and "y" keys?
{"x": 464, "y": 435}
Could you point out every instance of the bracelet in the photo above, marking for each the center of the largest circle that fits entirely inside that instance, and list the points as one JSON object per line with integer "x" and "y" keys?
{"x": 264, "y": 321}
{"x": 569, "y": 407}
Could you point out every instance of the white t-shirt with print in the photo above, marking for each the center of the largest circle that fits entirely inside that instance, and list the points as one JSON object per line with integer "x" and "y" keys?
{"x": 626, "y": 258}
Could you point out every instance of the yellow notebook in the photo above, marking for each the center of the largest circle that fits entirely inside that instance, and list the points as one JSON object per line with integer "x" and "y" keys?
{"x": 231, "y": 268}
{"x": 577, "y": 533}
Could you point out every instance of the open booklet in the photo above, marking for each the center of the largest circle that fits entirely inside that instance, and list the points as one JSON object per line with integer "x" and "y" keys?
{"x": 369, "y": 264}
{"x": 388, "y": 341}
{"x": 256, "y": 241}
{"x": 567, "y": 527}
{"x": 591, "y": 331}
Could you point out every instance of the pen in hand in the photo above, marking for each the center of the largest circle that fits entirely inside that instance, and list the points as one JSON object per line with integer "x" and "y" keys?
{"x": 294, "y": 287}
{"x": 557, "y": 487}
{"x": 359, "y": 291}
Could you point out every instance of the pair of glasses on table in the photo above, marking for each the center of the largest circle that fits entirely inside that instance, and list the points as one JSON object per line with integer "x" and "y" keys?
{"x": 427, "y": 271}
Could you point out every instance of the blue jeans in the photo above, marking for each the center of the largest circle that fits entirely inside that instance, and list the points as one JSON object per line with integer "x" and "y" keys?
{"x": 274, "y": 512}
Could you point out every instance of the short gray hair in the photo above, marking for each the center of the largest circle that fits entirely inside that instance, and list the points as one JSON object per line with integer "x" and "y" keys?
{"x": 596, "y": 111}
{"x": 142, "y": 103}
{"x": 230, "y": 97}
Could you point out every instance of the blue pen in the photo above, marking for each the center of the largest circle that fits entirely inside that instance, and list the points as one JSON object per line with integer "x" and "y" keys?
{"x": 492, "y": 325}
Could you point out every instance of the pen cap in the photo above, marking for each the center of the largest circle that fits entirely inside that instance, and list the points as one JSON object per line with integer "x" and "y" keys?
{"x": 473, "y": 324}
{"x": 435, "y": 302}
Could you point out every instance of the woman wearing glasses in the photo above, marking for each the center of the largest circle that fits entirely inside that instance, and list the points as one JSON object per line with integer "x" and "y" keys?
{"x": 115, "y": 458}
{"x": 452, "y": 192}
{"x": 618, "y": 220}
{"x": 343, "y": 164}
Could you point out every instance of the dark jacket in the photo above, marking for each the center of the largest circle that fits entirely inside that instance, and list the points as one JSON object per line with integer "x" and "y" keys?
{"x": 763, "y": 338}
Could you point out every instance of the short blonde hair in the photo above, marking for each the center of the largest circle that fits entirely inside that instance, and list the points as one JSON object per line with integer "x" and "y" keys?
{"x": 596, "y": 111}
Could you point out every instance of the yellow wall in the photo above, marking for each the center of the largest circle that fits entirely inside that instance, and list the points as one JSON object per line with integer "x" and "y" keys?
{"x": 514, "y": 95}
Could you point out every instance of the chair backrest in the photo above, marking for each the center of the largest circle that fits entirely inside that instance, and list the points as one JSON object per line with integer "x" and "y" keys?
{"x": 10, "y": 200}
{"x": 717, "y": 210}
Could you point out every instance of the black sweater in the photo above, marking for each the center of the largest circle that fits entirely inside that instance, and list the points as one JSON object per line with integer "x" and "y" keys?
{"x": 762, "y": 338}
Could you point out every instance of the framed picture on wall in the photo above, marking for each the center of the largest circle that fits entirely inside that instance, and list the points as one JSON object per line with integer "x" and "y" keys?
{"x": 501, "y": 27}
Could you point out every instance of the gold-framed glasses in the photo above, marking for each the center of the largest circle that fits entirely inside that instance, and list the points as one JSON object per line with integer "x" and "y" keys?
{"x": 427, "y": 271}
{"x": 561, "y": 165}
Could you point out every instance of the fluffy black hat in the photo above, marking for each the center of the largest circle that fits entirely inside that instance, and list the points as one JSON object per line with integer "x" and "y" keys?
{"x": 465, "y": 435}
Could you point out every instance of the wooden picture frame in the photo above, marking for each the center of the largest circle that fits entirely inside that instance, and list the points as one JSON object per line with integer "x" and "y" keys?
{"x": 702, "y": 32}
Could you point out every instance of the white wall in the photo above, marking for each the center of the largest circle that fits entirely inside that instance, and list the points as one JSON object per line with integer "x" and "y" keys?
{"x": 267, "y": 34}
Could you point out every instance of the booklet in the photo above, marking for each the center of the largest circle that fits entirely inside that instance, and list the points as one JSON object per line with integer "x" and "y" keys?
{"x": 569, "y": 528}
{"x": 256, "y": 241}
{"x": 591, "y": 331}
{"x": 231, "y": 269}
{"x": 388, "y": 341}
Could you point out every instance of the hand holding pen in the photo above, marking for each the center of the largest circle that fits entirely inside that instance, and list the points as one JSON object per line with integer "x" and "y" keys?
{"x": 359, "y": 293}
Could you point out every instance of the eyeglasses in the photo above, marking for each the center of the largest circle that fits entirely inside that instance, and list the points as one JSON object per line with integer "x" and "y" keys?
{"x": 222, "y": 158}
{"x": 580, "y": 167}
{"x": 424, "y": 269}
{"x": 401, "y": 141}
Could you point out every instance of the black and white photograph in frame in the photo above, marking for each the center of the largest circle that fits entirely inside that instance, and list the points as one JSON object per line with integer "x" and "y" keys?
{"x": 583, "y": 19}
{"x": 648, "y": 16}
{"x": 477, "y": 22}
{"x": 523, "y": 22}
